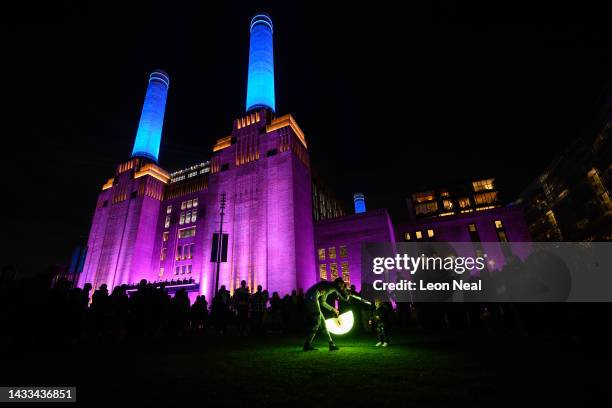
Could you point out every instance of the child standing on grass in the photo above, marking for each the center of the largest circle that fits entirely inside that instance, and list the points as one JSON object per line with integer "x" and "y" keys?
{"x": 380, "y": 322}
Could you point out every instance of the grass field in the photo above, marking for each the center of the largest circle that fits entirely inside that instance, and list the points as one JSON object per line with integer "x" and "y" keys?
{"x": 418, "y": 370}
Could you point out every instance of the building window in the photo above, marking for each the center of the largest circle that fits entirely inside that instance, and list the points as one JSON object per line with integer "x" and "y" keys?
{"x": 482, "y": 185}
{"x": 161, "y": 272}
{"x": 419, "y": 235}
{"x": 345, "y": 272}
{"x": 323, "y": 271}
{"x": 448, "y": 204}
{"x": 162, "y": 255}
{"x": 423, "y": 196}
{"x": 187, "y": 232}
{"x": 184, "y": 269}
{"x": 194, "y": 215}
{"x": 485, "y": 198}
{"x": 407, "y": 236}
{"x": 333, "y": 270}
{"x": 188, "y": 268}
{"x": 195, "y": 202}
{"x": 177, "y": 270}
{"x": 321, "y": 254}
{"x": 183, "y": 205}
{"x": 343, "y": 251}
{"x": 188, "y": 217}
{"x": 501, "y": 235}
{"x": 165, "y": 236}
{"x": 426, "y": 208}
{"x": 332, "y": 252}
{"x": 167, "y": 223}
{"x": 474, "y": 237}
{"x": 464, "y": 202}
{"x": 498, "y": 224}
{"x": 430, "y": 233}
{"x": 169, "y": 209}
{"x": 179, "y": 252}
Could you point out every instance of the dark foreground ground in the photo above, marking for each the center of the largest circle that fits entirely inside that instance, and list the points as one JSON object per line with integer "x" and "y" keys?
{"x": 418, "y": 369}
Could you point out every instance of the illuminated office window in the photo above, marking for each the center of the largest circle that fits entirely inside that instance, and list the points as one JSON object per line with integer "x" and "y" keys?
{"x": 194, "y": 215}
{"x": 419, "y": 235}
{"x": 162, "y": 255}
{"x": 423, "y": 196}
{"x": 182, "y": 220}
{"x": 464, "y": 202}
{"x": 430, "y": 233}
{"x": 183, "y": 205}
{"x": 426, "y": 208}
{"x": 472, "y": 227}
{"x": 345, "y": 272}
{"x": 188, "y": 216}
{"x": 448, "y": 204}
{"x": 321, "y": 254}
{"x": 482, "y": 185}
{"x": 332, "y": 252}
{"x": 169, "y": 209}
{"x": 343, "y": 251}
{"x": 187, "y": 232}
{"x": 333, "y": 270}
{"x": 444, "y": 193}
{"x": 165, "y": 236}
{"x": 323, "y": 271}
{"x": 189, "y": 203}
{"x": 195, "y": 202}
{"x": 407, "y": 236}
{"x": 498, "y": 224}
{"x": 167, "y": 223}
{"x": 485, "y": 198}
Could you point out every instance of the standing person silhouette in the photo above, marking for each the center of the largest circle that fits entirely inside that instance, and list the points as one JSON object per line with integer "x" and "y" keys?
{"x": 316, "y": 297}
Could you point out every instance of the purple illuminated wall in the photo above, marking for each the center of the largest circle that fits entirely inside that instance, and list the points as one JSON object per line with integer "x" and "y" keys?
{"x": 351, "y": 231}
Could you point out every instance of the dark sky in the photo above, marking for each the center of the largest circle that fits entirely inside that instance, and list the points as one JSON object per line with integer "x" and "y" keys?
{"x": 391, "y": 99}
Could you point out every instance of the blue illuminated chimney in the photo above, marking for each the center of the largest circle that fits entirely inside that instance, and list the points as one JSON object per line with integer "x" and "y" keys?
{"x": 359, "y": 200}
{"x": 260, "y": 85}
{"x": 149, "y": 132}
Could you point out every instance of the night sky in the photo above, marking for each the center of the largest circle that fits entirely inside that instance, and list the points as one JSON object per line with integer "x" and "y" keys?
{"x": 391, "y": 100}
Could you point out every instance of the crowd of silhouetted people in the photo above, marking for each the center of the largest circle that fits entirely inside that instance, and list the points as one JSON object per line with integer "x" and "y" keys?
{"x": 45, "y": 308}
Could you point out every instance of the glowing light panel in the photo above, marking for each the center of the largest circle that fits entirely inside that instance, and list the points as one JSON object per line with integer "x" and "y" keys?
{"x": 260, "y": 83}
{"x": 341, "y": 324}
{"x": 359, "y": 200}
{"x": 149, "y": 132}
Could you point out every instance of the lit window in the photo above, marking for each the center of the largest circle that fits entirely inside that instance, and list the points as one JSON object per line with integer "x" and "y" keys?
{"x": 481, "y": 185}
{"x": 345, "y": 272}
{"x": 333, "y": 270}
{"x": 444, "y": 193}
{"x": 323, "y": 271}
{"x": 168, "y": 209}
{"x": 167, "y": 223}
{"x": 189, "y": 203}
{"x": 321, "y": 254}
{"x": 182, "y": 220}
{"x": 162, "y": 255}
{"x": 501, "y": 235}
{"x": 407, "y": 236}
{"x": 187, "y": 232}
{"x": 419, "y": 235}
{"x": 161, "y": 272}
{"x": 448, "y": 204}
{"x": 426, "y": 208}
{"x": 423, "y": 196}
{"x": 332, "y": 252}
{"x": 343, "y": 251}
{"x": 472, "y": 227}
{"x": 183, "y": 205}
{"x": 195, "y": 202}
{"x": 179, "y": 252}
{"x": 165, "y": 236}
{"x": 194, "y": 215}
{"x": 498, "y": 224}
{"x": 485, "y": 198}
{"x": 464, "y": 202}
{"x": 430, "y": 233}
{"x": 188, "y": 217}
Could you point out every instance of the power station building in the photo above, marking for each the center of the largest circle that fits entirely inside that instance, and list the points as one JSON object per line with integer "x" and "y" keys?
{"x": 166, "y": 227}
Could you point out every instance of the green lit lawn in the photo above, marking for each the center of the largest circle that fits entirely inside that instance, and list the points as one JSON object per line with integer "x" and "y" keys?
{"x": 419, "y": 370}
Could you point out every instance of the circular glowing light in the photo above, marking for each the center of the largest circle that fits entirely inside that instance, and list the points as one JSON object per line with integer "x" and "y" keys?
{"x": 341, "y": 324}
